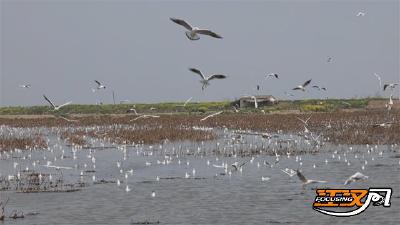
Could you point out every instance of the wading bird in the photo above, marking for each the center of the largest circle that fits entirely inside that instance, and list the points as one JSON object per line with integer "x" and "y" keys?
{"x": 389, "y": 105}
{"x": 193, "y": 32}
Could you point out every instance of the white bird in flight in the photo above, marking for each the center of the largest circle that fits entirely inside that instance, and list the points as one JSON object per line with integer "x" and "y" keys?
{"x": 273, "y": 75}
{"x": 186, "y": 102}
{"x": 58, "y": 167}
{"x": 319, "y": 88}
{"x": 307, "y": 181}
{"x": 53, "y": 105}
{"x": 355, "y": 177}
{"x": 212, "y": 115}
{"x": 361, "y": 13}
{"x": 236, "y": 166}
{"x": 289, "y": 172}
{"x": 99, "y": 86}
{"x": 391, "y": 86}
{"x": 379, "y": 79}
{"x": 289, "y": 94}
{"x": 303, "y": 86}
{"x": 193, "y": 32}
{"x": 132, "y": 110}
{"x": 145, "y": 117}
{"x": 265, "y": 178}
{"x": 25, "y": 86}
{"x": 206, "y": 80}
{"x": 255, "y": 101}
{"x": 304, "y": 121}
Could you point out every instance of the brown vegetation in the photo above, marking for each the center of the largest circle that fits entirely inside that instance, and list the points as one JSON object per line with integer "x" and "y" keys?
{"x": 346, "y": 127}
{"x": 74, "y": 138}
{"x": 23, "y": 143}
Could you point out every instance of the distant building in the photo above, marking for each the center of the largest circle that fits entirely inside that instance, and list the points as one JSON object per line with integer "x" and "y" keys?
{"x": 262, "y": 100}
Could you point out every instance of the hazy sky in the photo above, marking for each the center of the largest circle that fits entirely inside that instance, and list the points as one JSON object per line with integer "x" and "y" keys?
{"x": 60, "y": 47}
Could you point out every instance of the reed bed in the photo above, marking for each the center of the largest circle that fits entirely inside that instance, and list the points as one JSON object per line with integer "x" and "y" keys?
{"x": 8, "y": 143}
{"x": 146, "y": 135}
{"x": 74, "y": 138}
{"x": 354, "y": 127}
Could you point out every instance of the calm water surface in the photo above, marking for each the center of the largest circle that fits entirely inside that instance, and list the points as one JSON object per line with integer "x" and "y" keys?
{"x": 211, "y": 198}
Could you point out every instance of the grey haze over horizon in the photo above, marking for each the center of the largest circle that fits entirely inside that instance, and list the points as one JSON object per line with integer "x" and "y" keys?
{"x": 61, "y": 47}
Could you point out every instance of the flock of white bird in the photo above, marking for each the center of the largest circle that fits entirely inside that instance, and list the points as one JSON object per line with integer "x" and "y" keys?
{"x": 193, "y": 33}
{"x": 230, "y": 147}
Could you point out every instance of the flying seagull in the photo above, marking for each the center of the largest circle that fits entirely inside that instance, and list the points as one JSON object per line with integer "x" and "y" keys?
{"x": 132, "y": 110}
{"x": 145, "y": 116}
{"x": 53, "y": 105}
{"x": 212, "y": 115}
{"x": 99, "y": 86}
{"x": 236, "y": 166}
{"x": 273, "y": 75}
{"x": 24, "y": 86}
{"x": 384, "y": 125}
{"x": 235, "y": 108}
{"x": 379, "y": 79}
{"x": 289, "y": 172}
{"x": 206, "y": 80}
{"x": 319, "y": 88}
{"x": 361, "y": 14}
{"x": 307, "y": 181}
{"x": 304, "y": 121}
{"x": 193, "y": 32}
{"x": 303, "y": 86}
{"x": 355, "y": 177}
{"x": 265, "y": 178}
{"x": 391, "y": 86}
{"x": 289, "y": 94}
{"x": 67, "y": 119}
{"x": 58, "y": 167}
{"x": 186, "y": 102}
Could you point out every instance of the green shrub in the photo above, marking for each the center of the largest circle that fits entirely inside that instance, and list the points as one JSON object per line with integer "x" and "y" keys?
{"x": 202, "y": 109}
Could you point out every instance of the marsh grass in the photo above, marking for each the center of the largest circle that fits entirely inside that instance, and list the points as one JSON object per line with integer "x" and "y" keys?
{"x": 23, "y": 143}
{"x": 191, "y": 107}
{"x": 353, "y": 127}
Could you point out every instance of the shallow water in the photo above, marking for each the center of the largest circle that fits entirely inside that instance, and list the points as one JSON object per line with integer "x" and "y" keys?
{"x": 212, "y": 198}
